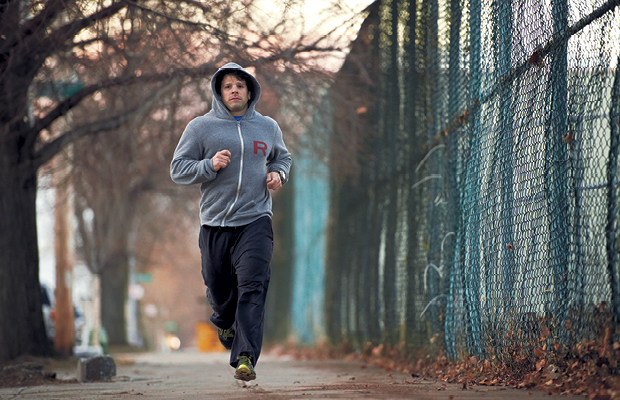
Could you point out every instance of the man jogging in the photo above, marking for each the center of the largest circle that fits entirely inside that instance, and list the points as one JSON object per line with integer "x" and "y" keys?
{"x": 236, "y": 155}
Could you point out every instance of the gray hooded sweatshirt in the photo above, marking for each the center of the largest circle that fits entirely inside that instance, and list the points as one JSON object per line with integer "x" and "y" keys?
{"x": 237, "y": 194}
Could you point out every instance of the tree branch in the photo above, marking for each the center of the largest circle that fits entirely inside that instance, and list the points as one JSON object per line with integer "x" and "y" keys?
{"x": 49, "y": 150}
{"x": 203, "y": 70}
{"x": 34, "y": 27}
{"x": 44, "y": 18}
{"x": 63, "y": 107}
{"x": 33, "y": 33}
{"x": 82, "y": 44}
{"x": 71, "y": 29}
{"x": 167, "y": 17}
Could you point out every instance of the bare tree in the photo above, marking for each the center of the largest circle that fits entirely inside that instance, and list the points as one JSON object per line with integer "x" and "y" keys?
{"x": 116, "y": 170}
{"x": 38, "y": 36}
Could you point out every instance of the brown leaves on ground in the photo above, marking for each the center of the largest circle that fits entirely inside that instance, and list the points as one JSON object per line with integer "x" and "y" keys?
{"x": 590, "y": 366}
{"x": 582, "y": 374}
{"x": 556, "y": 373}
{"x": 29, "y": 371}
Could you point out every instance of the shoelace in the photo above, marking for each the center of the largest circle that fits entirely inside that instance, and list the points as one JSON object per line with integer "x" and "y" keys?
{"x": 244, "y": 360}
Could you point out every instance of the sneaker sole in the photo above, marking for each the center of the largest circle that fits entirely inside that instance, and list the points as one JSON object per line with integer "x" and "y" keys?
{"x": 245, "y": 374}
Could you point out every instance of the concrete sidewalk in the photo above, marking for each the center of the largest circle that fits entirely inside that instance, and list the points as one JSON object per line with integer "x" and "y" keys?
{"x": 193, "y": 375}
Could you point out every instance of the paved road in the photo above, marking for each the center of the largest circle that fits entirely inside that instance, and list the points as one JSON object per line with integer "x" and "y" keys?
{"x": 193, "y": 375}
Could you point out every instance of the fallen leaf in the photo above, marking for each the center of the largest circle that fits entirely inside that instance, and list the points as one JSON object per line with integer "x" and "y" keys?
{"x": 536, "y": 57}
{"x": 601, "y": 394}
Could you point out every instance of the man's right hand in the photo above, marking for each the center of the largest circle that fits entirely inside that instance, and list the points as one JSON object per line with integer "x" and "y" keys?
{"x": 221, "y": 159}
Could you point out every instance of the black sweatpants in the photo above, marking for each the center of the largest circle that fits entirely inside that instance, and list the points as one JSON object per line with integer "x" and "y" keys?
{"x": 236, "y": 270}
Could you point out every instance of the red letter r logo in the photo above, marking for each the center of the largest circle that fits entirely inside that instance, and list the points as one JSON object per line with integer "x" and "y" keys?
{"x": 262, "y": 146}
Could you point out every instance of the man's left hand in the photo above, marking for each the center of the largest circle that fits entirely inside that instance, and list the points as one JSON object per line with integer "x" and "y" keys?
{"x": 273, "y": 181}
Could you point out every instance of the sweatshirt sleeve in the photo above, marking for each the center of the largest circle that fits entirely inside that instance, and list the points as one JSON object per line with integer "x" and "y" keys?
{"x": 188, "y": 167}
{"x": 280, "y": 158}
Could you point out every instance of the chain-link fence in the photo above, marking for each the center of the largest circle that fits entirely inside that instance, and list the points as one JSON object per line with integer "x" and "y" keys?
{"x": 474, "y": 164}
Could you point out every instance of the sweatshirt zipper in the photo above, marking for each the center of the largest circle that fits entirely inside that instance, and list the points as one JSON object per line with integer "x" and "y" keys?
{"x": 240, "y": 175}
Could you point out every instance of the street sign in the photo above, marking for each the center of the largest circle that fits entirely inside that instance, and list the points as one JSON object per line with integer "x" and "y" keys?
{"x": 144, "y": 278}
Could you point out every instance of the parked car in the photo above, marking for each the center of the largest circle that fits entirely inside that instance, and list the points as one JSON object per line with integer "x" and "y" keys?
{"x": 49, "y": 315}
{"x": 47, "y": 300}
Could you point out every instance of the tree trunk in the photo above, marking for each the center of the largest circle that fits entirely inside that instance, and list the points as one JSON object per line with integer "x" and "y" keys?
{"x": 22, "y": 330}
{"x": 114, "y": 289}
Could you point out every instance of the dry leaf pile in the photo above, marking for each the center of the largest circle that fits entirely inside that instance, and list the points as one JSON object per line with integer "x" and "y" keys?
{"x": 589, "y": 366}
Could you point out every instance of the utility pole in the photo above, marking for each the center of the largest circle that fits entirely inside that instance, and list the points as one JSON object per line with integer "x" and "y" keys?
{"x": 64, "y": 320}
{"x": 64, "y": 339}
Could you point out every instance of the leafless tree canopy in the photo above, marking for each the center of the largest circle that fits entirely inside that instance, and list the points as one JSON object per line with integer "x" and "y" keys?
{"x": 71, "y": 69}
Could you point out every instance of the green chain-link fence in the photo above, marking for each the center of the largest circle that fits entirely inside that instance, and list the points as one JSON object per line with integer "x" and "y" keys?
{"x": 474, "y": 167}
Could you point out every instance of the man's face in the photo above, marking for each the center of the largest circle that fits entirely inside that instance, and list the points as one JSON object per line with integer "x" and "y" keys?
{"x": 235, "y": 95}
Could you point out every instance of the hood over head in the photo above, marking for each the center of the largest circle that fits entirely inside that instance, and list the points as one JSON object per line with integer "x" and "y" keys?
{"x": 216, "y": 83}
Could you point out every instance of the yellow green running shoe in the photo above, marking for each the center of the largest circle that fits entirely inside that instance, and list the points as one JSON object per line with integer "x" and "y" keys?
{"x": 245, "y": 371}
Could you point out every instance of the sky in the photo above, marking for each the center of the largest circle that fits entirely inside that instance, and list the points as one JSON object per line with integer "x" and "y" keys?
{"x": 325, "y": 14}
{"x": 313, "y": 19}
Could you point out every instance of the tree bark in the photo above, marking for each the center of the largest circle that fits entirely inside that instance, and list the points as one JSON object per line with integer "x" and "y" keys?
{"x": 22, "y": 330}
{"x": 114, "y": 288}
